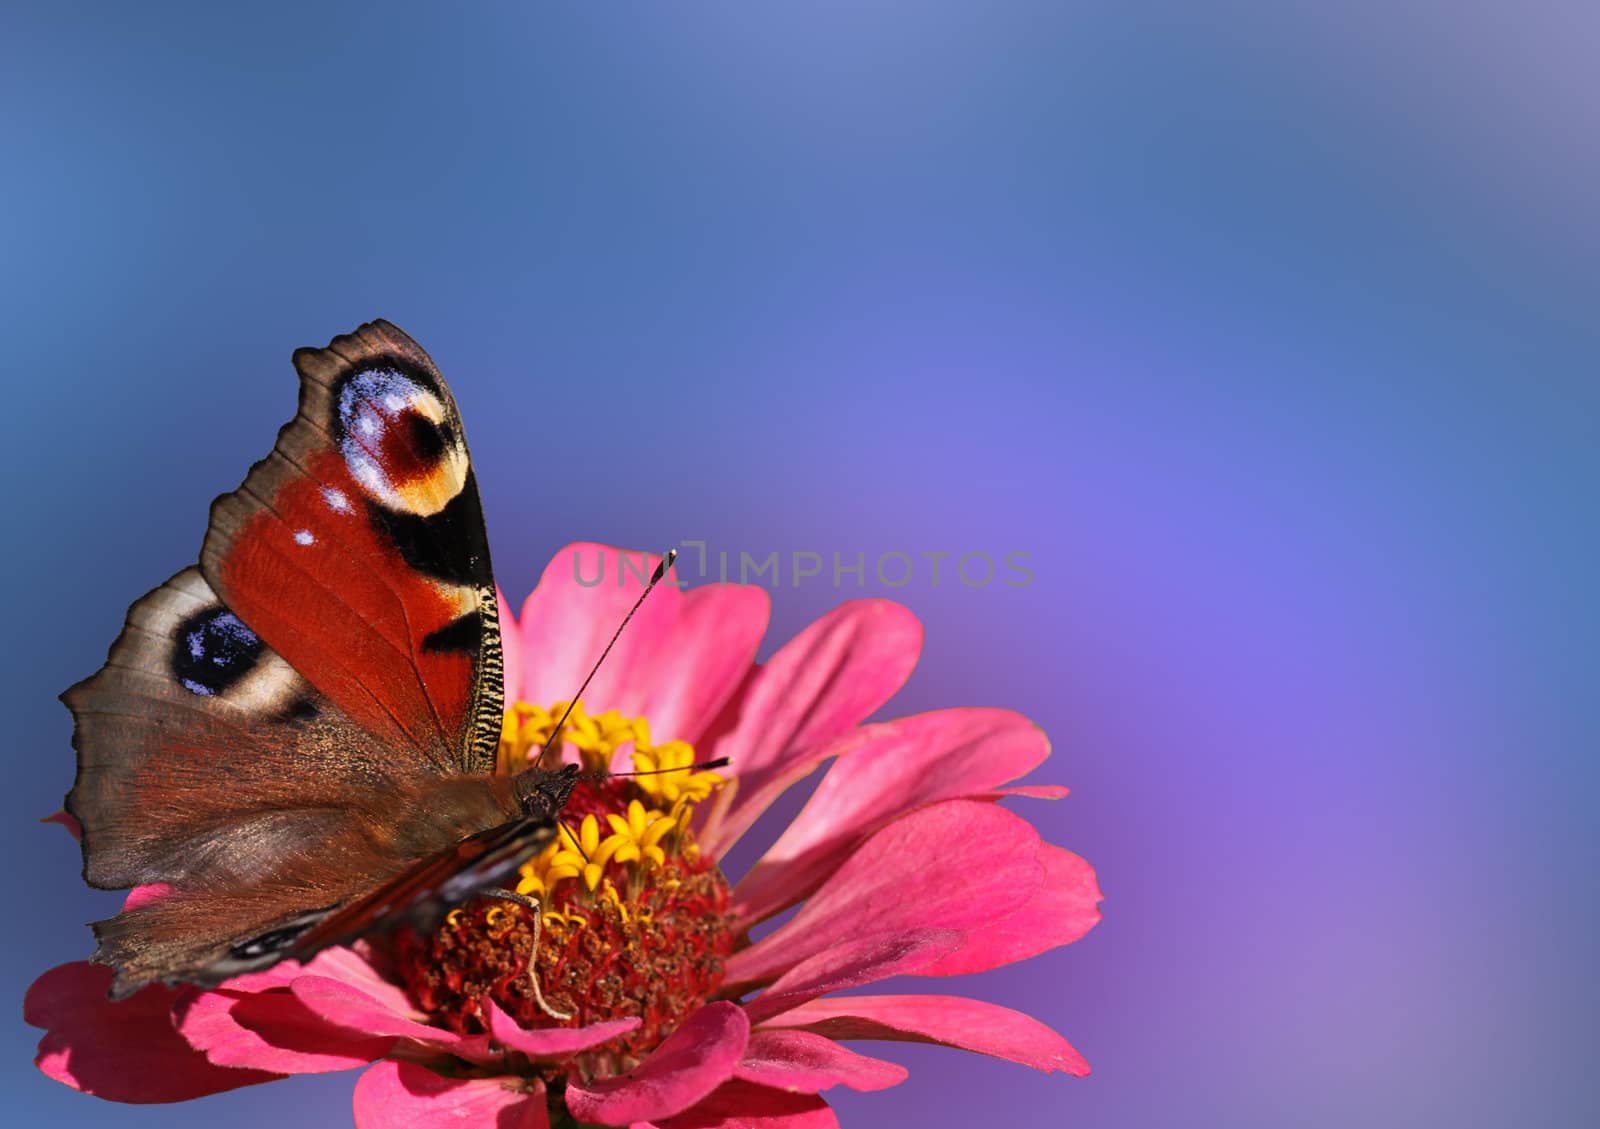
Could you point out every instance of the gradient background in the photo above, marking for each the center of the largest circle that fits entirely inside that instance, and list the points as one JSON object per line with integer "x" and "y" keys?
{"x": 1271, "y": 335}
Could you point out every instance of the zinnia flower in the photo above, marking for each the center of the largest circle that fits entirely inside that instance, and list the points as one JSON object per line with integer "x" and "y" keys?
{"x": 900, "y": 863}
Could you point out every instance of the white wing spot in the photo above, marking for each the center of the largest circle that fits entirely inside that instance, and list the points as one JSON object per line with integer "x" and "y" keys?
{"x": 366, "y": 472}
{"x": 336, "y": 500}
{"x": 303, "y": 537}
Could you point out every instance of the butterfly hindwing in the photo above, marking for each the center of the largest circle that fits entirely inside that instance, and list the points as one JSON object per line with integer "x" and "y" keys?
{"x": 287, "y": 912}
{"x": 208, "y": 765}
{"x": 357, "y": 550}
{"x": 201, "y": 752}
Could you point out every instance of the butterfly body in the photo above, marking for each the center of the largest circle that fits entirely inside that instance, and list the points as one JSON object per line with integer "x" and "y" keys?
{"x": 296, "y": 738}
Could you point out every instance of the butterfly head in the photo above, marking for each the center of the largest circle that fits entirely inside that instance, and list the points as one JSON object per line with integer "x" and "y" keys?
{"x": 545, "y": 792}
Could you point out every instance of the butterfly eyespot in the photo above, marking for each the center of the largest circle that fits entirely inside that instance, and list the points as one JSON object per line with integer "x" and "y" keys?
{"x": 213, "y": 650}
{"x": 428, "y": 438}
{"x": 399, "y": 443}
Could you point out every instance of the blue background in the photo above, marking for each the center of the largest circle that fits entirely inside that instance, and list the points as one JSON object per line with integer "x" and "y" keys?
{"x": 1269, "y": 334}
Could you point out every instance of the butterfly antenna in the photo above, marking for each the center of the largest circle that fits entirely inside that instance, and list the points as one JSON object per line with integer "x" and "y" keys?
{"x": 655, "y": 578}
{"x": 577, "y": 844}
{"x": 698, "y": 766}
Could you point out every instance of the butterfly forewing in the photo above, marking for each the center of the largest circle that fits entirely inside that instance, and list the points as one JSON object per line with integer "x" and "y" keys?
{"x": 357, "y": 550}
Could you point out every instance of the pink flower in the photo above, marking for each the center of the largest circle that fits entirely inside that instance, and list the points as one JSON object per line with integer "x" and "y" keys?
{"x": 679, "y": 1019}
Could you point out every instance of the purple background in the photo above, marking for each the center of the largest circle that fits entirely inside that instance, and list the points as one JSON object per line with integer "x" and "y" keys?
{"x": 1270, "y": 335}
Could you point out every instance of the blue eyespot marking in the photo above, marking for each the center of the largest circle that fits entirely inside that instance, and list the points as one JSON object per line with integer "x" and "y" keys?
{"x": 213, "y": 650}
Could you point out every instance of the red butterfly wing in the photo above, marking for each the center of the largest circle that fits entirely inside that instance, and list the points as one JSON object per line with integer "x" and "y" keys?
{"x": 357, "y": 551}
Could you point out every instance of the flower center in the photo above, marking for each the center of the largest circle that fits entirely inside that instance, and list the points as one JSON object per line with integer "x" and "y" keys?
{"x": 635, "y": 921}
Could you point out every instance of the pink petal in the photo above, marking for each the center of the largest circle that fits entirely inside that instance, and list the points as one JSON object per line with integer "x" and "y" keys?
{"x": 253, "y": 1020}
{"x": 279, "y": 975}
{"x": 351, "y": 966}
{"x": 511, "y": 659}
{"x": 821, "y": 684}
{"x": 551, "y": 1042}
{"x": 404, "y": 1095}
{"x": 693, "y": 1061}
{"x": 125, "y": 1051}
{"x": 804, "y": 1063}
{"x": 951, "y": 1021}
{"x": 330, "y": 1014}
{"x": 676, "y": 664}
{"x": 902, "y": 765}
{"x": 713, "y": 830}
{"x": 852, "y": 964}
{"x": 346, "y": 1006}
{"x": 66, "y": 820}
{"x": 273, "y": 1031}
{"x": 144, "y": 895}
{"x": 343, "y": 964}
{"x": 1030, "y": 791}
{"x": 744, "y": 1105}
{"x": 1065, "y": 908}
{"x": 958, "y": 865}
{"x": 712, "y": 650}
{"x": 579, "y": 602}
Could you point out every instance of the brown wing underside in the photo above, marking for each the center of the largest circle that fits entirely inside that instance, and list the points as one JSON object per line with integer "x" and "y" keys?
{"x": 206, "y": 935}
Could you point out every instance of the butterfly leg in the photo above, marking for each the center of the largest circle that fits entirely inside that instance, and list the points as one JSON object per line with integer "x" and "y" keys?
{"x": 533, "y": 907}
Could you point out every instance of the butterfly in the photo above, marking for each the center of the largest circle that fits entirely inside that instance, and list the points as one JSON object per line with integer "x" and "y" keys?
{"x": 297, "y": 737}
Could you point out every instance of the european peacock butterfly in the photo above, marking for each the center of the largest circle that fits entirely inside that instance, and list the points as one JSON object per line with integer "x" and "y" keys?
{"x": 297, "y": 737}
